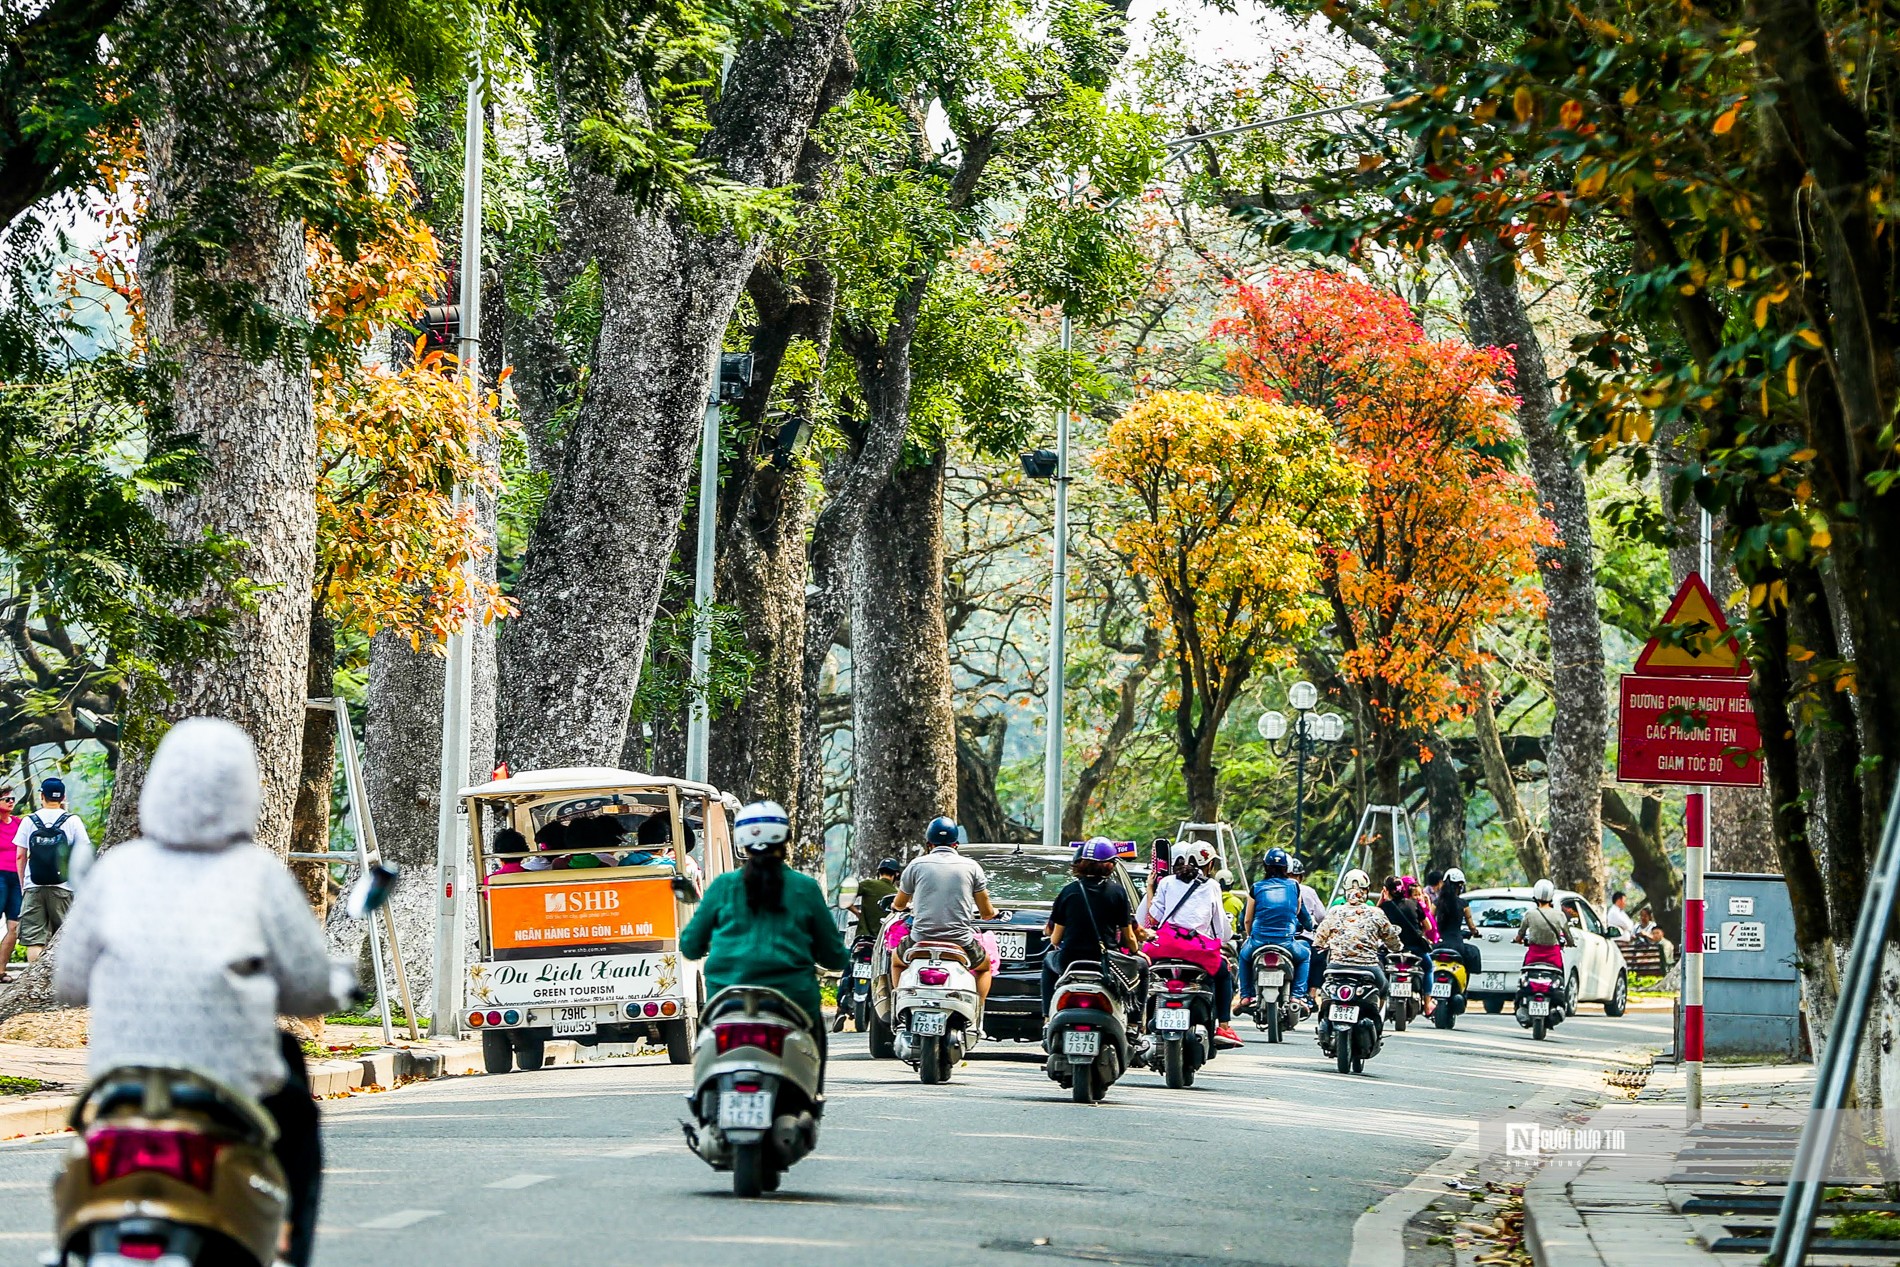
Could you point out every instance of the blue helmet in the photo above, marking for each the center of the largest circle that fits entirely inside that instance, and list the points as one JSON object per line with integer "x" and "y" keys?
{"x": 1097, "y": 849}
{"x": 1278, "y": 861}
{"x": 942, "y": 831}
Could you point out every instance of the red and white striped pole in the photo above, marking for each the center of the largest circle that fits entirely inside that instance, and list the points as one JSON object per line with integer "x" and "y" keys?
{"x": 1694, "y": 920}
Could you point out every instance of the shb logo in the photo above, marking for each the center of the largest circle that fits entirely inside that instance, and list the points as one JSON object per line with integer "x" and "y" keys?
{"x": 1520, "y": 1139}
{"x": 556, "y": 904}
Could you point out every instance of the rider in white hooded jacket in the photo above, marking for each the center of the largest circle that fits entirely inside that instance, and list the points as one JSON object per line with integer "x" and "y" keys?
{"x": 189, "y": 942}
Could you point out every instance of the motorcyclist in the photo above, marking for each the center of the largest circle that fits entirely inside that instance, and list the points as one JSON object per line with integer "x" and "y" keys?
{"x": 1089, "y": 913}
{"x": 1274, "y": 916}
{"x": 1404, "y": 914}
{"x": 766, "y": 924}
{"x": 1187, "y": 897}
{"x": 946, "y": 893}
{"x": 1544, "y": 933}
{"x": 1232, "y": 900}
{"x": 189, "y": 941}
{"x": 1315, "y": 912}
{"x": 1354, "y": 934}
{"x": 1455, "y": 921}
{"x": 868, "y": 906}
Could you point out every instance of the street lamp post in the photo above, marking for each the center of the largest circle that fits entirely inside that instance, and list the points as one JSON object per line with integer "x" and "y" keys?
{"x": 1308, "y": 729}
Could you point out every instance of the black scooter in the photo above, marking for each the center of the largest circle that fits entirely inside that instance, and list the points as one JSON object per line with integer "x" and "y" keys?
{"x": 1180, "y": 1019}
{"x": 1351, "y": 1016}
{"x": 1087, "y": 1039}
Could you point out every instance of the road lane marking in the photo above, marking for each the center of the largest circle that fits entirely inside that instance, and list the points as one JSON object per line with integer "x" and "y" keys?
{"x": 400, "y": 1219}
{"x": 519, "y": 1181}
{"x": 641, "y": 1150}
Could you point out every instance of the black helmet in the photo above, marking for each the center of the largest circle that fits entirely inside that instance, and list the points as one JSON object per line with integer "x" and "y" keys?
{"x": 891, "y": 866}
{"x": 942, "y": 831}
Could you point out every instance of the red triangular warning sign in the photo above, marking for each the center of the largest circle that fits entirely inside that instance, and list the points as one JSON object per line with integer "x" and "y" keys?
{"x": 1705, "y": 649}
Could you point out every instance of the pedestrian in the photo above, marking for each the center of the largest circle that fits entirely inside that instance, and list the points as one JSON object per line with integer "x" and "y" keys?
{"x": 1618, "y": 917}
{"x": 11, "y": 893}
{"x": 52, "y": 852}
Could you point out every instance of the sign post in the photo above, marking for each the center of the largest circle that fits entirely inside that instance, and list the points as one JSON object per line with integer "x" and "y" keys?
{"x": 1685, "y": 717}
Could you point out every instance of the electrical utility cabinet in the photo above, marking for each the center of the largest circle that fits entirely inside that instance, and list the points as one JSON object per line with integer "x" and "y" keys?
{"x": 1751, "y": 987}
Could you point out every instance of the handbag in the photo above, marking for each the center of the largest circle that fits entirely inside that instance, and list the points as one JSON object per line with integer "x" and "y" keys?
{"x": 1124, "y": 969}
{"x": 1172, "y": 941}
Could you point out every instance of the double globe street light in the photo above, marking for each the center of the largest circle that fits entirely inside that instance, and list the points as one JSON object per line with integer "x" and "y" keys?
{"x": 1307, "y": 730}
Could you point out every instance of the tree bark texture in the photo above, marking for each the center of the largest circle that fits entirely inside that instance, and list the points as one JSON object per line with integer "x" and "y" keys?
{"x": 903, "y": 727}
{"x": 1445, "y": 796}
{"x": 220, "y": 112}
{"x": 1580, "y": 719}
{"x": 597, "y": 559}
{"x": 1525, "y": 839}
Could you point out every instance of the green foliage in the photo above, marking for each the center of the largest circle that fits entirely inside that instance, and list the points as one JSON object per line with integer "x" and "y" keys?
{"x": 967, "y": 371}
{"x": 1076, "y": 256}
{"x": 666, "y": 686}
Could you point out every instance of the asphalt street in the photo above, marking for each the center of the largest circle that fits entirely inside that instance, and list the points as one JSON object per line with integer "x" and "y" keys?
{"x": 1270, "y": 1158}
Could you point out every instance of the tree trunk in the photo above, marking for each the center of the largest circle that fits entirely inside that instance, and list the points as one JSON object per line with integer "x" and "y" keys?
{"x": 1580, "y": 719}
{"x": 1121, "y": 728}
{"x": 310, "y": 819}
{"x": 1202, "y": 777}
{"x": 249, "y": 407}
{"x": 979, "y": 757}
{"x": 1651, "y": 867}
{"x": 902, "y": 724}
{"x": 1524, "y": 836}
{"x": 1445, "y": 794}
{"x": 597, "y": 559}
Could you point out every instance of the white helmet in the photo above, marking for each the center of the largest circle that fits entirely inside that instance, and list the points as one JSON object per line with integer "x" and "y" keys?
{"x": 1543, "y": 891}
{"x": 761, "y": 825}
{"x": 1224, "y": 875}
{"x": 1356, "y": 881}
{"x": 1454, "y": 876}
{"x": 1199, "y": 852}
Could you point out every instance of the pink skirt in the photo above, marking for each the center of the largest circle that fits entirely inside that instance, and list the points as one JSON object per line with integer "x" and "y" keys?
{"x": 1552, "y": 955}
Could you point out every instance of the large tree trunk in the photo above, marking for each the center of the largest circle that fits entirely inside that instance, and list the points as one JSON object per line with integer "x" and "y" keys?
{"x": 1580, "y": 719}
{"x": 248, "y": 406}
{"x": 979, "y": 757}
{"x": 597, "y": 559}
{"x": 1524, "y": 836}
{"x": 902, "y": 724}
{"x": 1445, "y": 795}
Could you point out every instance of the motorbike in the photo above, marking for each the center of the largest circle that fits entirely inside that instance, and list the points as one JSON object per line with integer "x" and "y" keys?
{"x": 934, "y": 1011}
{"x": 859, "y": 1001}
{"x": 1540, "y": 998}
{"x": 1407, "y": 977}
{"x": 755, "y": 1100}
{"x": 1087, "y": 1039}
{"x": 1275, "y": 1009}
{"x": 1179, "y": 1019}
{"x": 1447, "y": 987}
{"x": 172, "y": 1167}
{"x": 1352, "y": 1012}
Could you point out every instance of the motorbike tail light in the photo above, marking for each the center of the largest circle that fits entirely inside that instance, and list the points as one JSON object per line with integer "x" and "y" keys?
{"x": 1176, "y": 985}
{"x": 769, "y": 1038}
{"x": 114, "y": 1152}
{"x": 142, "y": 1251}
{"x": 933, "y": 976}
{"x": 1344, "y": 992}
{"x": 1269, "y": 961}
{"x": 1175, "y": 1003}
{"x": 1075, "y": 1000}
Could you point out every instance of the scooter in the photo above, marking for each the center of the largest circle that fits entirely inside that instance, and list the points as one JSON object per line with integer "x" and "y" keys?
{"x": 1448, "y": 987}
{"x": 859, "y": 1004}
{"x": 1352, "y": 1013}
{"x": 1407, "y": 977}
{"x": 169, "y": 1166}
{"x": 1179, "y": 1020}
{"x": 1087, "y": 1041}
{"x": 934, "y": 1010}
{"x": 1540, "y": 998}
{"x": 1275, "y": 1009}
{"x": 755, "y": 1100}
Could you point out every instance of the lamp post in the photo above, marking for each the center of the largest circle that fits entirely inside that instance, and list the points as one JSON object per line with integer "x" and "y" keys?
{"x": 1308, "y": 729}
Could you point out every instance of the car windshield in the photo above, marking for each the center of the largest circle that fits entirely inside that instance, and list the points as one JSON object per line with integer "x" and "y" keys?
{"x": 1498, "y": 912}
{"x": 1029, "y": 876}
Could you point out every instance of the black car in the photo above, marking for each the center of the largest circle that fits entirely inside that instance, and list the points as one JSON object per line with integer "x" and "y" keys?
{"x": 1024, "y": 881}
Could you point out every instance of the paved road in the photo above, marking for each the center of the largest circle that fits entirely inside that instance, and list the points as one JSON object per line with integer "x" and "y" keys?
{"x": 1269, "y": 1159}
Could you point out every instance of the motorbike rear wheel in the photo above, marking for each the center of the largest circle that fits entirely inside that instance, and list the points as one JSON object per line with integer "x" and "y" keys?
{"x": 1538, "y": 1028}
{"x": 1342, "y": 1051}
{"x": 882, "y": 1039}
{"x": 1083, "y": 1089}
{"x": 1174, "y": 1065}
{"x": 930, "y": 1060}
{"x": 1444, "y": 1015}
{"x": 748, "y": 1169}
{"x": 1273, "y": 1020}
{"x": 1401, "y": 1016}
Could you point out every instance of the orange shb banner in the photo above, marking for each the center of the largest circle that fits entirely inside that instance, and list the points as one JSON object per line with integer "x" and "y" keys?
{"x": 580, "y": 913}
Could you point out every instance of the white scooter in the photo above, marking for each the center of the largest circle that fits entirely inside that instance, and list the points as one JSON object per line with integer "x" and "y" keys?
{"x": 755, "y": 1100}
{"x": 934, "y": 1011}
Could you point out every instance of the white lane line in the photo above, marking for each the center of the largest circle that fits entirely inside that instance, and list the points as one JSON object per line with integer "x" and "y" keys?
{"x": 642, "y": 1150}
{"x": 400, "y": 1219}
{"x": 519, "y": 1181}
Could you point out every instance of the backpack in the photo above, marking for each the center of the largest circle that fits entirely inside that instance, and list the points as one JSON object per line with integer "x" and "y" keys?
{"x": 47, "y": 851}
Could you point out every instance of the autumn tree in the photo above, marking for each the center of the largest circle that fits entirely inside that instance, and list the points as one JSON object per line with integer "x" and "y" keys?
{"x": 1444, "y": 544}
{"x": 1231, "y": 505}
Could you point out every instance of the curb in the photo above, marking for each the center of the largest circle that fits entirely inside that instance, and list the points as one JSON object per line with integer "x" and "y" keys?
{"x": 42, "y": 1113}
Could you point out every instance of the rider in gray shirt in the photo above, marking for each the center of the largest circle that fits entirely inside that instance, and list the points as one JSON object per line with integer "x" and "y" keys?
{"x": 945, "y": 893}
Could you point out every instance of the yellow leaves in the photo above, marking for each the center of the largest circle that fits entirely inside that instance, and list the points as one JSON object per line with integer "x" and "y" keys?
{"x": 1803, "y": 455}
{"x": 1630, "y": 96}
{"x": 1484, "y": 111}
{"x": 1591, "y": 177}
{"x": 1769, "y": 595}
{"x": 1764, "y": 302}
{"x": 1443, "y": 205}
{"x": 1794, "y": 378}
{"x": 1725, "y": 121}
{"x": 1809, "y": 336}
{"x": 1523, "y": 104}
{"x": 1571, "y": 115}
{"x": 1820, "y": 539}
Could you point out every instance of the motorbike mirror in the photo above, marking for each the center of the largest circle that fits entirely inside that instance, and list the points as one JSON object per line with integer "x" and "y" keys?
{"x": 685, "y": 890}
{"x": 371, "y": 893}
{"x": 887, "y": 904}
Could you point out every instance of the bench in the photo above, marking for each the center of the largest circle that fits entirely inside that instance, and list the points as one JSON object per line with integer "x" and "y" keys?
{"x": 1644, "y": 957}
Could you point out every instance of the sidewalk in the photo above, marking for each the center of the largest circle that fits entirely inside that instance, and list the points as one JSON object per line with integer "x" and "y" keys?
{"x": 1655, "y": 1194}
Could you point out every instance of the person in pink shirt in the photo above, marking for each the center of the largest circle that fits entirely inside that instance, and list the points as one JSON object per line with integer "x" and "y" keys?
{"x": 510, "y": 845}
{"x": 11, "y": 894}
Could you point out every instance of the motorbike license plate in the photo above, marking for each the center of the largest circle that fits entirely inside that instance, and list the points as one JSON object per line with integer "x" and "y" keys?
{"x": 1012, "y": 945}
{"x": 1274, "y": 979}
{"x": 862, "y": 972}
{"x": 1075, "y": 1043}
{"x": 745, "y": 1110}
{"x": 573, "y": 1020}
{"x": 1540, "y": 1007}
{"x": 1490, "y": 980}
{"x": 1401, "y": 989}
{"x": 925, "y": 1023}
{"x": 1172, "y": 1018}
{"x": 1343, "y": 1015}
{"x": 1441, "y": 989}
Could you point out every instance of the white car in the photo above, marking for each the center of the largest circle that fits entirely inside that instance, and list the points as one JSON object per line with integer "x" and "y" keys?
{"x": 1597, "y": 973}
